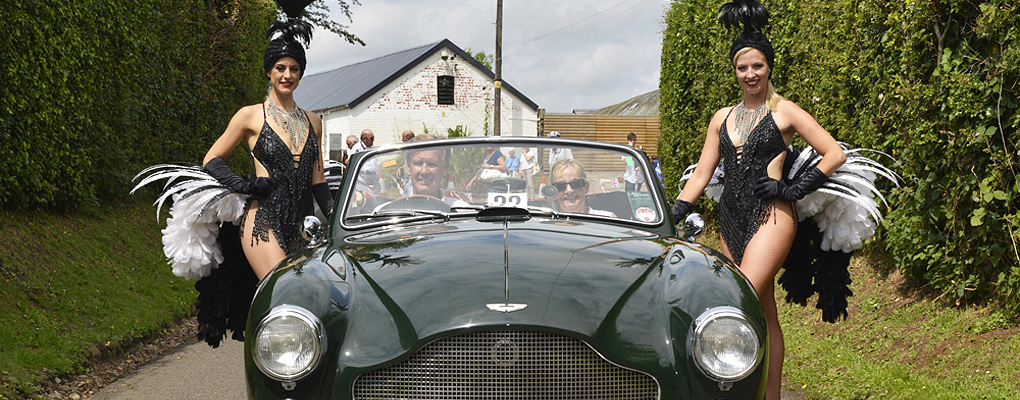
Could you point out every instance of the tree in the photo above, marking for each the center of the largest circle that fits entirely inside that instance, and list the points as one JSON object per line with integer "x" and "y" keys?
{"x": 480, "y": 56}
{"x": 317, "y": 14}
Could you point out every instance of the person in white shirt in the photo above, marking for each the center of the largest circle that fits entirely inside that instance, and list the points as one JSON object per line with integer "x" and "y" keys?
{"x": 527, "y": 167}
{"x": 632, "y": 177}
{"x": 555, "y": 154}
{"x": 368, "y": 176}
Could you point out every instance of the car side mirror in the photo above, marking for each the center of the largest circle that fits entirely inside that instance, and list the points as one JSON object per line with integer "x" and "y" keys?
{"x": 311, "y": 230}
{"x": 694, "y": 226}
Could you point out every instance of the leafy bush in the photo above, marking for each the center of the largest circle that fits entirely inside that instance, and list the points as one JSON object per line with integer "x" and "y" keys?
{"x": 932, "y": 83}
{"x": 97, "y": 90}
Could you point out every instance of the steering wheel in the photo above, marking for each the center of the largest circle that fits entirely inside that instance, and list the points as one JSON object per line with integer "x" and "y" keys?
{"x": 414, "y": 202}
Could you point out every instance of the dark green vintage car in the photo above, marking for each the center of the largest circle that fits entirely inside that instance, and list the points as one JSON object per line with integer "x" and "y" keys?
{"x": 442, "y": 275}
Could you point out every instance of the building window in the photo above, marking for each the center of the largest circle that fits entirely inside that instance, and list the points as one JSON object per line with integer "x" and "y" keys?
{"x": 444, "y": 89}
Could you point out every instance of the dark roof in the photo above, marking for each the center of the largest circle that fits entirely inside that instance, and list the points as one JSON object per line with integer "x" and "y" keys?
{"x": 348, "y": 86}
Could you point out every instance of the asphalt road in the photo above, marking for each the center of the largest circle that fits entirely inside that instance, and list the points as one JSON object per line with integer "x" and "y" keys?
{"x": 196, "y": 371}
{"x": 193, "y": 370}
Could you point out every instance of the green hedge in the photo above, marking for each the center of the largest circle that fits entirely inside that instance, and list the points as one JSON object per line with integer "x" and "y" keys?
{"x": 933, "y": 83}
{"x": 95, "y": 91}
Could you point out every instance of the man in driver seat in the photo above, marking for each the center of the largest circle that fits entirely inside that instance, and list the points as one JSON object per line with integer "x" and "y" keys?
{"x": 429, "y": 171}
{"x": 571, "y": 183}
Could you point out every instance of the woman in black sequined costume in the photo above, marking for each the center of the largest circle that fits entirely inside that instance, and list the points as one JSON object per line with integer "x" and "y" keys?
{"x": 757, "y": 218}
{"x": 284, "y": 142}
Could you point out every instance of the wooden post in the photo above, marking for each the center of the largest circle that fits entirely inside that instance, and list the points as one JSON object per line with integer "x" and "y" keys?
{"x": 498, "y": 83}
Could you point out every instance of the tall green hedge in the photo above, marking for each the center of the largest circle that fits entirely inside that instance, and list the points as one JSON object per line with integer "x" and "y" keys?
{"x": 96, "y": 90}
{"x": 932, "y": 83}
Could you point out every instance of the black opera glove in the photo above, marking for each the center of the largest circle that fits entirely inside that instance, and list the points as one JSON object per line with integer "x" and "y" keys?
{"x": 680, "y": 209}
{"x": 767, "y": 188}
{"x": 323, "y": 198}
{"x": 218, "y": 169}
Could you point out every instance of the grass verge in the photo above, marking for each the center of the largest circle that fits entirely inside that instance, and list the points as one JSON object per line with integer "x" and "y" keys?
{"x": 900, "y": 342}
{"x": 76, "y": 288}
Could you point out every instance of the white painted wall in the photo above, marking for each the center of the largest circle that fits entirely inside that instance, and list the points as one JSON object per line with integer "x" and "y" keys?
{"x": 410, "y": 102}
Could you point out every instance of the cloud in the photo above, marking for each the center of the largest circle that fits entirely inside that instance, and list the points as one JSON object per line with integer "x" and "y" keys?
{"x": 562, "y": 55}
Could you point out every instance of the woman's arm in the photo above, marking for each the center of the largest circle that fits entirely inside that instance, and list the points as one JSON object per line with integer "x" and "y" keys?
{"x": 237, "y": 130}
{"x": 318, "y": 173}
{"x": 792, "y": 118}
{"x": 708, "y": 161}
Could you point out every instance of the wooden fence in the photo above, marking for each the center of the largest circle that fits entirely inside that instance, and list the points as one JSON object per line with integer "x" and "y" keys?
{"x": 607, "y": 128}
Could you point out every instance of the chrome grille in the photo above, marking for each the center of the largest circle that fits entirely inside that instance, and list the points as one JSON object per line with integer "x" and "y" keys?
{"x": 505, "y": 365}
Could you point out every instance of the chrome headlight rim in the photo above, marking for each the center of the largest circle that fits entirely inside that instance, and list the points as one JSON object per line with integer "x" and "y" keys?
{"x": 706, "y": 319}
{"x": 306, "y": 317}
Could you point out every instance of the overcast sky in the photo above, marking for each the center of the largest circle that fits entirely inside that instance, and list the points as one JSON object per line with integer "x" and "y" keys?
{"x": 562, "y": 54}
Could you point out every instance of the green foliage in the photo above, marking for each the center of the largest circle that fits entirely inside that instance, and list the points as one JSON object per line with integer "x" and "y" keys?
{"x": 932, "y": 83}
{"x": 107, "y": 87}
{"x": 74, "y": 287}
{"x": 480, "y": 56}
{"x": 458, "y": 131}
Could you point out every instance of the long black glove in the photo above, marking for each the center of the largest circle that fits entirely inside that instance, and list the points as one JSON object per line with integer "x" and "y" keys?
{"x": 218, "y": 169}
{"x": 322, "y": 196}
{"x": 767, "y": 188}
{"x": 680, "y": 209}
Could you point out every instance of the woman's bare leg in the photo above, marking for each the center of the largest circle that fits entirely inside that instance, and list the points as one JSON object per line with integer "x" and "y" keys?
{"x": 263, "y": 255}
{"x": 763, "y": 257}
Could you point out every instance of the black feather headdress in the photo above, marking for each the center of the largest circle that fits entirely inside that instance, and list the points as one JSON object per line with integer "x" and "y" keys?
{"x": 753, "y": 16}
{"x": 290, "y": 36}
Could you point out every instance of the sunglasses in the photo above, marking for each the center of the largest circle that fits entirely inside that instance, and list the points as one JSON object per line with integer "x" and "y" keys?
{"x": 576, "y": 184}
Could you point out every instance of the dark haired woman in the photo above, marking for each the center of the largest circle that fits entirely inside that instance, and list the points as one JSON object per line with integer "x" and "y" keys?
{"x": 226, "y": 231}
{"x": 756, "y": 213}
{"x": 284, "y": 141}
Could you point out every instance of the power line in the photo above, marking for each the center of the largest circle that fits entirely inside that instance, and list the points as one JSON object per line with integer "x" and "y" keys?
{"x": 520, "y": 48}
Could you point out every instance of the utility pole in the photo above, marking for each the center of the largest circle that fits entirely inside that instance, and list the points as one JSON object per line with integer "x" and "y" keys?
{"x": 498, "y": 83}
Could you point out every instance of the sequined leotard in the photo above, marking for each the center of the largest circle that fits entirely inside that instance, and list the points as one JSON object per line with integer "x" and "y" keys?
{"x": 284, "y": 209}
{"x": 741, "y": 212}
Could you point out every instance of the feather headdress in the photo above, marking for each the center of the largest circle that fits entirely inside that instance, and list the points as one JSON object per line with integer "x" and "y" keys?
{"x": 753, "y": 16}
{"x": 288, "y": 38}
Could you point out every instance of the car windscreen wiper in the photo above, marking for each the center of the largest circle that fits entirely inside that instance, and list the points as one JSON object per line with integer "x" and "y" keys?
{"x": 398, "y": 213}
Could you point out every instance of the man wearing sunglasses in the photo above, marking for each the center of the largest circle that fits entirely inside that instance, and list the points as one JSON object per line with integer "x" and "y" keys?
{"x": 571, "y": 183}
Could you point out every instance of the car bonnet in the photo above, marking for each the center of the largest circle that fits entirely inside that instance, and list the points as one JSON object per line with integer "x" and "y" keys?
{"x": 424, "y": 281}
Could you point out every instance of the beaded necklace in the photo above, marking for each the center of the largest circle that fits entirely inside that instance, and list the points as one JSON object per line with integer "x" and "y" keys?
{"x": 294, "y": 123}
{"x": 745, "y": 119}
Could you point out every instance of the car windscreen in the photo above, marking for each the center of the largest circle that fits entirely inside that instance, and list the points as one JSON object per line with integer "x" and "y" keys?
{"x": 566, "y": 179}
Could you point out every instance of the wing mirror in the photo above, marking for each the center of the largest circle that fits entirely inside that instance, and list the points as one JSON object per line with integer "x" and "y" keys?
{"x": 312, "y": 230}
{"x": 694, "y": 226}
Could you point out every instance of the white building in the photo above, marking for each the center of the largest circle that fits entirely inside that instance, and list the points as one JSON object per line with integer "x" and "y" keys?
{"x": 436, "y": 87}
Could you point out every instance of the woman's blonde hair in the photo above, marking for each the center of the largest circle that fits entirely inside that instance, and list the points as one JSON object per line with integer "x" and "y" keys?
{"x": 771, "y": 97}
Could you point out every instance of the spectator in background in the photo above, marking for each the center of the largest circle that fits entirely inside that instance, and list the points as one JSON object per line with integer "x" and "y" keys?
{"x": 351, "y": 142}
{"x": 657, "y": 166}
{"x": 513, "y": 163}
{"x": 368, "y": 176}
{"x": 407, "y": 136}
{"x": 633, "y": 176}
{"x": 555, "y": 155}
{"x": 527, "y": 168}
{"x": 493, "y": 166}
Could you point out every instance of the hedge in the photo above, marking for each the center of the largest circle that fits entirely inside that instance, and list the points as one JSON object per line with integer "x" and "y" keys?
{"x": 932, "y": 83}
{"x": 95, "y": 91}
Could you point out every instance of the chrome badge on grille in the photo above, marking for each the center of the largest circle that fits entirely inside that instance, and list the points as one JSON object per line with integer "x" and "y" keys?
{"x": 505, "y": 353}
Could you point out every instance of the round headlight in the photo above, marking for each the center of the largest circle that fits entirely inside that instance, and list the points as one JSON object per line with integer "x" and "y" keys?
{"x": 288, "y": 343}
{"x": 725, "y": 345}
